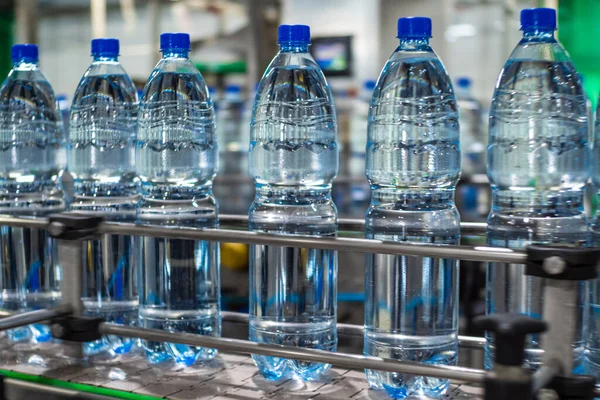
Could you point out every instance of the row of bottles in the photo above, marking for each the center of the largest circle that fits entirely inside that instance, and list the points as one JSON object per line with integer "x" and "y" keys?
{"x": 155, "y": 163}
{"x": 537, "y": 165}
{"x": 151, "y": 161}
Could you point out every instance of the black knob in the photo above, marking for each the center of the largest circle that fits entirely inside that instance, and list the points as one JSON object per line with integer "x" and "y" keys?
{"x": 510, "y": 331}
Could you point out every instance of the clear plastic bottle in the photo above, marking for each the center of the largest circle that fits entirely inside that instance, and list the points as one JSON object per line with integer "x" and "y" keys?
{"x": 234, "y": 151}
{"x": 234, "y": 188}
{"x": 413, "y": 165}
{"x": 537, "y": 164}
{"x": 31, "y": 143}
{"x": 472, "y": 197}
{"x": 471, "y": 133}
{"x": 176, "y": 160}
{"x": 293, "y": 160}
{"x": 247, "y": 116}
{"x": 592, "y": 340}
{"x": 101, "y": 153}
{"x": 358, "y": 127}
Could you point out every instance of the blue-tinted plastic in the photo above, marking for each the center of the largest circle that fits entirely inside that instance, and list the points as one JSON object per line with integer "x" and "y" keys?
{"x": 370, "y": 84}
{"x": 293, "y": 161}
{"x": 233, "y": 89}
{"x": 24, "y": 52}
{"x": 542, "y": 19}
{"x": 414, "y": 27}
{"x": 174, "y": 42}
{"x": 592, "y": 341}
{"x": 463, "y": 82}
{"x": 105, "y": 47}
{"x": 102, "y": 140}
{"x": 31, "y": 161}
{"x": 537, "y": 165}
{"x": 413, "y": 164}
{"x": 293, "y": 34}
{"x": 176, "y": 160}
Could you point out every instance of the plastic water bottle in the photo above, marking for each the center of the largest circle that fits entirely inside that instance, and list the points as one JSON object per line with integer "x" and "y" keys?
{"x": 31, "y": 141}
{"x": 537, "y": 159}
{"x": 101, "y": 152}
{"x": 247, "y": 115}
{"x": 234, "y": 152}
{"x": 176, "y": 161}
{"x": 358, "y": 128}
{"x": 293, "y": 160}
{"x": 413, "y": 165}
{"x": 473, "y": 198}
{"x": 471, "y": 134}
{"x": 234, "y": 187}
{"x": 592, "y": 340}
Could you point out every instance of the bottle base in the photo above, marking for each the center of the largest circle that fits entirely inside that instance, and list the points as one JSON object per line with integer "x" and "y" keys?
{"x": 400, "y": 386}
{"x": 34, "y": 333}
{"x": 276, "y": 368}
{"x": 591, "y": 364}
{"x": 158, "y": 352}
{"x": 436, "y": 350}
{"x": 321, "y": 336}
{"x": 121, "y": 313}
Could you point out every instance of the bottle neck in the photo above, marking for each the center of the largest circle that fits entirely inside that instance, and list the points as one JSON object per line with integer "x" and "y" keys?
{"x": 105, "y": 58}
{"x": 414, "y": 43}
{"x": 25, "y": 64}
{"x": 179, "y": 54}
{"x": 293, "y": 47}
{"x": 536, "y": 35}
{"x": 461, "y": 91}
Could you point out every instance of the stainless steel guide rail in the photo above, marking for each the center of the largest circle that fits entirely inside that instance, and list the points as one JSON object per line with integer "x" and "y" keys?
{"x": 355, "y": 224}
{"x": 353, "y": 361}
{"x": 240, "y": 235}
{"x": 470, "y": 253}
{"x": 339, "y": 359}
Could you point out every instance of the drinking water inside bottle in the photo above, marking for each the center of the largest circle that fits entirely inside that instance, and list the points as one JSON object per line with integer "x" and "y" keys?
{"x": 293, "y": 310}
{"x": 412, "y": 313}
{"x": 293, "y": 161}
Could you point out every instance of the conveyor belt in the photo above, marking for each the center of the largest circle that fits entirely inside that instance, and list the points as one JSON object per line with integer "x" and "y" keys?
{"x": 230, "y": 376}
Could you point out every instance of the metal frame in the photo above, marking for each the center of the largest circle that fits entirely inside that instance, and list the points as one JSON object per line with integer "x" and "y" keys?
{"x": 469, "y": 253}
{"x": 72, "y": 293}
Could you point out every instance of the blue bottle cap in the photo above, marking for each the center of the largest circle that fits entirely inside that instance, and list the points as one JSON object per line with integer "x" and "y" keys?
{"x": 174, "y": 41}
{"x": 414, "y": 27}
{"x": 369, "y": 84}
{"x": 27, "y": 52}
{"x": 543, "y": 19}
{"x": 463, "y": 82}
{"x": 299, "y": 34}
{"x": 105, "y": 47}
{"x": 233, "y": 89}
